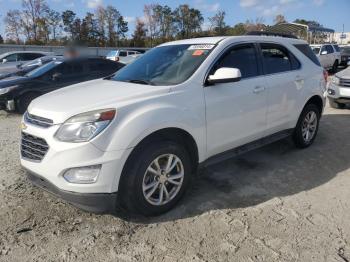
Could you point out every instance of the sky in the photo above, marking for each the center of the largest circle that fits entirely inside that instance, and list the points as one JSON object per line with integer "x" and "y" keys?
{"x": 330, "y": 13}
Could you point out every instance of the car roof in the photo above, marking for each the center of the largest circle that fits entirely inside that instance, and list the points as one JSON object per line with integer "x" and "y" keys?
{"x": 26, "y": 52}
{"x": 218, "y": 39}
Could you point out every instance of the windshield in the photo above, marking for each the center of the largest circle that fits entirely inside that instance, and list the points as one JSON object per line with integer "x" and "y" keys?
{"x": 345, "y": 50}
{"x": 43, "y": 69}
{"x": 165, "y": 65}
{"x": 315, "y": 49}
{"x": 112, "y": 53}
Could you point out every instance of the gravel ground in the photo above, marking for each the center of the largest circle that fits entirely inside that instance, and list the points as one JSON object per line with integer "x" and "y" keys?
{"x": 273, "y": 204}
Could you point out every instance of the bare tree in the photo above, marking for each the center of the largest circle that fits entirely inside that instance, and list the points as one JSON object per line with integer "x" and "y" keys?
{"x": 34, "y": 9}
{"x": 54, "y": 20}
{"x": 150, "y": 21}
{"x": 139, "y": 36}
{"x": 217, "y": 23}
{"x": 279, "y": 19}
{"x": 13, "y": 25}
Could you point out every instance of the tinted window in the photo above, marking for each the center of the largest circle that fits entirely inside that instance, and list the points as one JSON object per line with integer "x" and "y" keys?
{"x": 336, "y": 47}
{"x": 123, "y": 53}
{"x": 11, "y": 58}
{"x": 70, "y": 68}
{"x": 277, "y": 58}
{"x": 329, "y": 49}
{"x": 306, "y": 50}
{"x": 324, "y": 48}
{"x": 97, "y": 65}
{"x": 29, "y": 56}
{"x": 241, "y": 57}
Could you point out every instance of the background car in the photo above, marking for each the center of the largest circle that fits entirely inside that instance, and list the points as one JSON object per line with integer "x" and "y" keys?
{"x": 16, "y": 93}
{"x": 345, "y": 55}
{"x": 25, "y": 68}
{"x": 123, "y": 56}
{"x": 328, "y": 54}
{"x": 339, "y": 89}
{"x": 12, "y": 59}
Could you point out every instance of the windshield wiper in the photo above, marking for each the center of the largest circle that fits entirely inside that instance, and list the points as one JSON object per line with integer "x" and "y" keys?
{"x": 140, "y": 81}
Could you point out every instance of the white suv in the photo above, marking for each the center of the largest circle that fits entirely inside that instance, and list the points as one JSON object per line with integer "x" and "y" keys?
{"x": 329, "y": 55}
{"x": 135, "y": 140}
{"x": 339, "y": 89}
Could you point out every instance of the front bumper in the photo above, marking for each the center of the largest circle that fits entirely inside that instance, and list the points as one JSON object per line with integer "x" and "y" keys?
{"x": 63, "y": 156}
{"x": 338, "y": 93}
{"x": 96, "y": 203}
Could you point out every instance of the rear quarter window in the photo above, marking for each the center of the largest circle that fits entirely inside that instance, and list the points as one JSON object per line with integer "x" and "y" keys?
{"x": 336, "y": 47}
{"x": 307, "y": 51}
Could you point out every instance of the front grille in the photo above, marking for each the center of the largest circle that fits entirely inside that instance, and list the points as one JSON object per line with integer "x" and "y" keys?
{"x": 344, "y": 82}
{"x": 33, "y": 148}
{"x": 37, "y": 120}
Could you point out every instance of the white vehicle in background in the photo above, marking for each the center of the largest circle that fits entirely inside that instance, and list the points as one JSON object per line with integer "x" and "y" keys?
{"x": 329, "y": 55}
{"x": 136, "y": 139}
{"x": 339, "y": 89}
{"x": 123, "y": 56}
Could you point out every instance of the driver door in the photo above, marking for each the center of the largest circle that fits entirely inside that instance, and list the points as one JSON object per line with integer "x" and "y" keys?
{"x": 236, "y": 111}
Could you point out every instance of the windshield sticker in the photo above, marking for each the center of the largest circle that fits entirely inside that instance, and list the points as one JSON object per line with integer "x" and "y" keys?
{"x": 198, "y": 52}
{"x": 201, "y": 47}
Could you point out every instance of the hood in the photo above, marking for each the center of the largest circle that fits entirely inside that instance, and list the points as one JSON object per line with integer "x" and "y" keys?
{"x": 92, "y": 95}
{"x": 14, "y": 80}
{"x": 344, "y": 73}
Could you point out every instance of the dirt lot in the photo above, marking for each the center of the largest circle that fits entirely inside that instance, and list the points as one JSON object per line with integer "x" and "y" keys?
{"x": 273, "y": 204}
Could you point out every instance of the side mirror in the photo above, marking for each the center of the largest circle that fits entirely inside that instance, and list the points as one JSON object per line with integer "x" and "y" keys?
{"x": 56, "y": 76}
{"x": 324, "y": 52}
{"x": 225, "y": 75}
{"x": 4, "y": 60}
{"x": 19, "y": 65}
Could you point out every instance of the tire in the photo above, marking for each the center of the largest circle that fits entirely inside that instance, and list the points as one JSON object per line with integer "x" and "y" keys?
{"x": 335, "y": 66}
{"x": 335, "y": 105}
{"x": 300, "y": 138}
{"x": 24, "y": 101}
{"x": 134, "y": 181}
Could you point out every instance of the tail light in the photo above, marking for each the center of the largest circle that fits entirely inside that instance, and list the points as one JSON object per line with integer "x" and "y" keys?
{"x": 325, "y": 75}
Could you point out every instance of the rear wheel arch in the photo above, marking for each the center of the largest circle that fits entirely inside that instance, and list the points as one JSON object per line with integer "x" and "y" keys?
{"x": 316, "y": 100}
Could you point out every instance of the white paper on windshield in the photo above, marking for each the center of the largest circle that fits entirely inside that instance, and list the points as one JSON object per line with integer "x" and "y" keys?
{"x": 201, "y": 47}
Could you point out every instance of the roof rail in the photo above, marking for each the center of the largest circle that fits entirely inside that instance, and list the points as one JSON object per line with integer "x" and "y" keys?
{"x": 264, "y": 33}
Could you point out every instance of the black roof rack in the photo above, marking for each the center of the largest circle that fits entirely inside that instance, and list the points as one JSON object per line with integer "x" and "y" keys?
{"x": 264, "y": 33}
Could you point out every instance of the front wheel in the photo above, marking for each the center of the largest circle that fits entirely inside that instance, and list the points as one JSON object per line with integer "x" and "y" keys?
{"x": 307, "y": 127}
{"x": 155, "y": 178}
{"x": 335, "y": 105}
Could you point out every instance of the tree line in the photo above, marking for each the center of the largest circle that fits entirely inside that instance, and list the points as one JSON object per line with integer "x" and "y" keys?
{"x": 36, "y": 23}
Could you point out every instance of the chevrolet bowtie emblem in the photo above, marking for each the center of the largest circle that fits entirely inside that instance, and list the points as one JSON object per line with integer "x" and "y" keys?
{"x": 23, "y": 126}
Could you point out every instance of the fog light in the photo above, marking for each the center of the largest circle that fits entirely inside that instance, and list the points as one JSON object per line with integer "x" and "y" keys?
{"x": 331, "y": 92}
{"x": 82, "y": 175}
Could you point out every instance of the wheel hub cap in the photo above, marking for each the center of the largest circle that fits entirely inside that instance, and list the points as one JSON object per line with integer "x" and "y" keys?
{"x": 163, "y": 179}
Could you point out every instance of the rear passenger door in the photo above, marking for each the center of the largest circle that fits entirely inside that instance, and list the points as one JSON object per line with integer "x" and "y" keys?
{"x": 236, "y": 111}
{"x": 284, "y": 80}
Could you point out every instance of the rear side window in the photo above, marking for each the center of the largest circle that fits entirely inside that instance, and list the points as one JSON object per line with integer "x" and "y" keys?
{"x": 277, "y": 59}
{"x": 123, "y": 53}
{"x": 242, "y": 57}
{"x": 307, "y": 51}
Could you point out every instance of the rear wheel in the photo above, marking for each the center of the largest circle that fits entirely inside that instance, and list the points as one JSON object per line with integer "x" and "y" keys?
{"x": 307, "y": 127}
{"x": 24, "y": 101}
{"x": 155, "y": 178}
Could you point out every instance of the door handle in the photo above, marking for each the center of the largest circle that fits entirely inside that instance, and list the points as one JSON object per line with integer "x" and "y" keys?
{"x": 258, "y": 89}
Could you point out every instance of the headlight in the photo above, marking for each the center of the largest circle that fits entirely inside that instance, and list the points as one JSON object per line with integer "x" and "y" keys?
{"x": 7, "y": 89}
{"x": 336, "y": 80}
{"x": 84, "y": 127}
